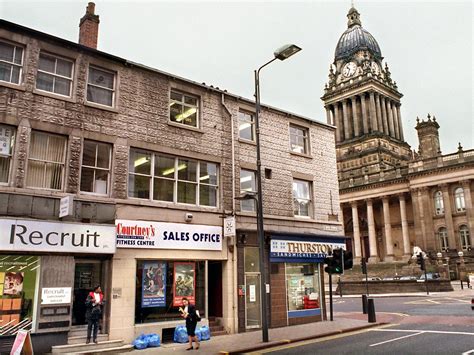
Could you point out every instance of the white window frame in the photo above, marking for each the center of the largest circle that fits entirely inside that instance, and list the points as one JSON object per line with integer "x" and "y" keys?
{"x": 176, "y": 180}
{"x": 251, "y": 122}
{"x": 459, "y": 200}
{"x": 464, "y": 237}
{"x": 54, "y": 75}
{"x": 10, "y": 155}
{"x": 305, "y": 136}
{"x": 254, "y": 178}
{"x": 20, "y": 75}
{"x": 438, "y": 203}
{"x": 443, "y": 238}
{"x": 310, "y": 200}
{"x": 96, "y": 167}
{"x": 102, "y": 87}
{"x": 182, "y": 103}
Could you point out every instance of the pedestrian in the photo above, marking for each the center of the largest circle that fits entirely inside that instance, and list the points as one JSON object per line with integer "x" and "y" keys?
{"x": 94, "y": 302}
{"x": 191, "y": 316}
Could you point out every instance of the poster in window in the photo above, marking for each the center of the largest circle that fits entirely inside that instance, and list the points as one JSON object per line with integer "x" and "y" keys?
{"x": 13, "y": 284}
{"x": 154, "y": 284}
{"x": 183, "y": 283}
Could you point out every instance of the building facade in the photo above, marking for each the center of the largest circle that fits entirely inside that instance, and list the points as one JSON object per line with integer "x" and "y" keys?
{"x": 393, "y": 198}
{"x": 145, "y": 167}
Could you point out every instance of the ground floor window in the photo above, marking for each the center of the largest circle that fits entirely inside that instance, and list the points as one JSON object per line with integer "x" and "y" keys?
{"x": 18, "y": 276}
{"x": 303, "y": 287}
{"x": 464, "y": 236}
{"x": 161, "y": 286}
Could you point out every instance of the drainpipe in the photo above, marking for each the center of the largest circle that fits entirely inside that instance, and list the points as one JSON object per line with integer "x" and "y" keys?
{"x": 234, "y": 258}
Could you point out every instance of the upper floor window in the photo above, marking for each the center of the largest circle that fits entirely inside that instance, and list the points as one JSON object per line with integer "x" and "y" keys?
{"x": 443, "y": 239}
{"x": 101, "y": 86}
{"x": 95, "y": 169}
{"x": 246, "y": 126}
{"x": 46, "y": 161}
{"x": 7, "y": 136}
{"x": 465, "y": 238}
{"x": 247, "y": 184}
{"x": 301, "y": 198}
{"x": 11, "y": 62}
{"x": 299, "y": 139}
{"x": 459, "y": 201}
{"x": 54, "y": 74}
{"x": 166, "y": 178}
{"x": 439, "y": 203}
{"x": 184, "y": 109}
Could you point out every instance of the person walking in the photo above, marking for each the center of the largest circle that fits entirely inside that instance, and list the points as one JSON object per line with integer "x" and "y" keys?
{"x": 94, "y": 302}
{"x": 191, "y": 316}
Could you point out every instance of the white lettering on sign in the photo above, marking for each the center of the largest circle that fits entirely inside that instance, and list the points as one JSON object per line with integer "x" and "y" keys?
{"x": 160, "y": 235}
{"x": 56, "y": 295}
{"x": 303, "y": 249}
{"x": 28, "y": 235}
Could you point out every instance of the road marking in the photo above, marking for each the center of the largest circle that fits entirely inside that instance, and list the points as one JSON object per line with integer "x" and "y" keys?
{"x": 457, "y": 299}
{"x": 403, "y": 337}
{"x": 419, "y": 330}
{"x": 468, "y": 352}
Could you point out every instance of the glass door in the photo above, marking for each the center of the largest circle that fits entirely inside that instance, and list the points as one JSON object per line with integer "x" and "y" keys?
{"x": 253, "y": 314}
{"x": 87, "y": 275}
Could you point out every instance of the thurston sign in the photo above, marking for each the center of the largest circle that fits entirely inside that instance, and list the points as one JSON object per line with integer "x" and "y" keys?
{"x": 30, "y": 235}
{"x": 311, "y": 248}
{"x": 161, "y": 235}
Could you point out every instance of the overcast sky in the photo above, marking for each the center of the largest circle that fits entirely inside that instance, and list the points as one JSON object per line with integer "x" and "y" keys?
{"x": 428, "y": 45}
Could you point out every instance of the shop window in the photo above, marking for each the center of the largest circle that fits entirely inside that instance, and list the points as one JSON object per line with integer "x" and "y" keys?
{"x": 459, "y": 201}
{"x": 465, "y": 238}
{"x": 54, "y": 74}
{"x": 11, "y": 63}
{"x": 301, "y": 198}
{"x": 46, "y": 161}
{"x": 299, "y": 139}
{"x": 439, "y": 203}
{"x": 247, "y": 185}
{"x": 184, "y": 109}
{"x": 246, "y": 126}
{"x": 303, "y": 287}
{"x": 443, "y": 239}
{"x": 7, "y": 137}
{"x": 95, "y": 167}
{"x": 101, "y": 86}
{"x": 165, "y": 178}
{"x": 161, "y": 285}
{"x": 17, "y": 289}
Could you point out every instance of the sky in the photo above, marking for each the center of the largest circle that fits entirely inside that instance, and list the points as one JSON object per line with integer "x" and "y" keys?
{"x": 427, "y": 44}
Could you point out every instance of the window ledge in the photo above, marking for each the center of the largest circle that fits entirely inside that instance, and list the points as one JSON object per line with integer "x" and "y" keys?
{"x": 170, "y": 205}
{"x": 101, "y": 107}
{"x": 21, "y": 87}
{"x": 54, "y": 96}
{"x": 246, "y": 141}
{"x": 438, "y": 216}
{"x": 301, "y": 154}
{"x": 190, "y": 128}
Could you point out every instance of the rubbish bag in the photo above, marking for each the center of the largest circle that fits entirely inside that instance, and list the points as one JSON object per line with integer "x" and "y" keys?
{"x": 205, "y": 332}
{"x": 154, "y": 340}
{"x": 141, "y": 342}
{"x": 198, "y": 334}
{"x": 180, "y": 334}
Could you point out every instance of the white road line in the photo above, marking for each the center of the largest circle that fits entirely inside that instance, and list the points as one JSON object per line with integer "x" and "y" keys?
{"x": 403, "y": 337}
{"x": 416, "y": 331}
{"x": 468, "y": 352}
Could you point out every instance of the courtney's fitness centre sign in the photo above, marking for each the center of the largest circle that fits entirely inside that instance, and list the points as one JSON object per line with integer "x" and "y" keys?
{"x": 161, "y": 235}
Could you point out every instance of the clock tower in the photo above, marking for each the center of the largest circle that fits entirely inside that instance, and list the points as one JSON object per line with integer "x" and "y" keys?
{"x": 363, "y": 102}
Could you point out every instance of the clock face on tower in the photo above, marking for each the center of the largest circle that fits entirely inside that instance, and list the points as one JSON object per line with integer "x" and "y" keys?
{"x": 375, "y": 68}
{"x": 349, "y": 69}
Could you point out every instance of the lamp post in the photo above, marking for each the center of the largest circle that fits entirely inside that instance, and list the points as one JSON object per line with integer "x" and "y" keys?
{"x": 282, "y": 53}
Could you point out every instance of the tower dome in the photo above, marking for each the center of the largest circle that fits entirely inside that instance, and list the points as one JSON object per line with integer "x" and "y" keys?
{"x": 356, "y": 38}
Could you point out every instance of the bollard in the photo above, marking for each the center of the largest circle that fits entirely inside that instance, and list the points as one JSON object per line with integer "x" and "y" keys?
{"x": 364, "y": 304}
{"x": 371, "y": 310}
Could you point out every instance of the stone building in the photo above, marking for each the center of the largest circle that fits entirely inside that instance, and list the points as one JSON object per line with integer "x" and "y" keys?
{"x": 392, "y": 198}
{"x": 143, "y": 167}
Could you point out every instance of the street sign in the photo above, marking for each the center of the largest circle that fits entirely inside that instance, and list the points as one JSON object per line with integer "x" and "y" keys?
{"x": 229, "y": 226}
{"x": 66, "y": 206}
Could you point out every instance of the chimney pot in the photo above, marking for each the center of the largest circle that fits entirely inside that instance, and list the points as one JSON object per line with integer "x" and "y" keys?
{"x": 89, "y": 27}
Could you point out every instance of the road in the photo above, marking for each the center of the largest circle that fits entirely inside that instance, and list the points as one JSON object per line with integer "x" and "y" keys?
{"x": 436, "y": 324}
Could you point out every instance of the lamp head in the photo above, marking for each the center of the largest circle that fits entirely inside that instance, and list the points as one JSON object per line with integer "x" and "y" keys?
{"x": 286, "y": 51}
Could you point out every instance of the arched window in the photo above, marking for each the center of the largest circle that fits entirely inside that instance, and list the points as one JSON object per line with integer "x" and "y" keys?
{"x": 459, "y": 199}
{"x": 438, "y": 202}
{"x": 443, "y": 238}
{"x": 464, "y": 236}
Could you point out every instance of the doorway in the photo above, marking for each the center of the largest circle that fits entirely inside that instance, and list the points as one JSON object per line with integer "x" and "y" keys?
{"x": 87, "y": 275}
{"x": 215, "y": 288}
{"x": 253, "y": 313}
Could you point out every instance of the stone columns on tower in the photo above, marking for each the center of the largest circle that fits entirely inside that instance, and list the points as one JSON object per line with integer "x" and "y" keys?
{"x": 372, "y": 237}
{"x": 391, "y": 125}
{"x": 339, "y": 123}
{"x": 373, "y": 117}
{"x": 355, "y": 116}
{"x": 384, "y": 115}
{"x": 365, "y": 120}
{"x": 328, "y": 115}
{"x": 379, "y": 112}
{"x": 345, "y": 114}
{"x": 395, "y": 120}
{"x": 400, "y": 126}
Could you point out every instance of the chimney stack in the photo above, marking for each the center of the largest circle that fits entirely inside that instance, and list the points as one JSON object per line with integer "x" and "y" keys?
{"x": 89, "y": 27}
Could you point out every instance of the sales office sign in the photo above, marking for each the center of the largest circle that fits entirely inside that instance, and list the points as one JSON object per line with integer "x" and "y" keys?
{"x": 29, "y": 235}
{"x": 161, "y": 235}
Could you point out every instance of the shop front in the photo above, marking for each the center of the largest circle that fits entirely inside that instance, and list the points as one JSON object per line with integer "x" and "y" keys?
{"x": 44, "y": 275}
{"x": 157, "y": 264}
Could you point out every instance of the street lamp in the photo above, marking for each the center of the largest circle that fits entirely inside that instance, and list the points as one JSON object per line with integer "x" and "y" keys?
{"x": 281, "y": 53}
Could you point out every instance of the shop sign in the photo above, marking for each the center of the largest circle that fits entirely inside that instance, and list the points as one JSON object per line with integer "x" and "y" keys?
{"x": 161, "y": 235}
{"x": 229, "y": 227}
{"x": 39, "y": 236}
{"x": 154, "y": 284}
{"x": 184, "y": 283}
{"x": 56, "y": 295}
{"x": 311, "y": 249}
{"x": 66, "y": 205}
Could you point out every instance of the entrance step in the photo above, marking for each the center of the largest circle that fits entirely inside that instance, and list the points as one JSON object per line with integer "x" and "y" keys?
{"x": 217, "y": 333}
{"x": 117, "y": 350}
{"x": 91, "y": 348}
{"x": 81, "y": 339}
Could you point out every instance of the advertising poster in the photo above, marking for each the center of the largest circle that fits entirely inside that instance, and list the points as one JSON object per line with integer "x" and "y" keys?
{"x": 154, "y": 284}
{"x": 183, "y": 283}
{"x": 13, "y": 284}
